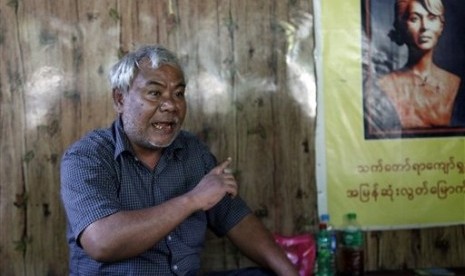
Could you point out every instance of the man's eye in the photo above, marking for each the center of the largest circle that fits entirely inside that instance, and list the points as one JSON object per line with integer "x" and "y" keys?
{"x": 154, "y": 93}
{"x": 180, "y": 94}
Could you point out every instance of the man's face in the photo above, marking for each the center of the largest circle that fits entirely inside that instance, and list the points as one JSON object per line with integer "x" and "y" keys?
{"x": 154, "y": 108}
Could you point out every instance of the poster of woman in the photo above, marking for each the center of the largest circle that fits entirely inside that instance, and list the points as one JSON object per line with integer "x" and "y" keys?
{"x": 414, "y": 73}
{"x": 390, "y": 124}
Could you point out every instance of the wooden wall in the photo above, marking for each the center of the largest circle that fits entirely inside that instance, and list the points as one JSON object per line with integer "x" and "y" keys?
{"x": 251, "y": 96}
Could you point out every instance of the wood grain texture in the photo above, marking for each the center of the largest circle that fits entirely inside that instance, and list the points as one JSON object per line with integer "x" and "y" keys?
{"x": 251, "y": 96}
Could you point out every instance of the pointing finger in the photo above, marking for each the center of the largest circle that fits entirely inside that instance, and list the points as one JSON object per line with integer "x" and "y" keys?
{"x": 223, "y": 166}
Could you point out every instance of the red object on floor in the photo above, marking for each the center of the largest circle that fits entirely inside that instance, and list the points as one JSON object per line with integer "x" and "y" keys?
{"x": 301, "y": 251}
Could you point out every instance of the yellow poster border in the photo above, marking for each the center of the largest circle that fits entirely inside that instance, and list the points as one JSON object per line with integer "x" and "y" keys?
{"x": 348, "y": 163}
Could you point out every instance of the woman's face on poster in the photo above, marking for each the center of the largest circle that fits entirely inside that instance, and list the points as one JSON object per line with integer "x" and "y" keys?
{"x": 423, "y": 28}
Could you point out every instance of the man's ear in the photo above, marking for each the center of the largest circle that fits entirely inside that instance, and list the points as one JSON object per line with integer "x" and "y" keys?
{"x": 118, "y": 100}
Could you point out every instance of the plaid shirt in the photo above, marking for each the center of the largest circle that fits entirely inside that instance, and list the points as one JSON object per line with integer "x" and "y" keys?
{"x": 100, "y": 176}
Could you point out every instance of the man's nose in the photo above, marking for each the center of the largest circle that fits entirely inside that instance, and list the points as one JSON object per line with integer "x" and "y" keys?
{"x": 167, "y": 104}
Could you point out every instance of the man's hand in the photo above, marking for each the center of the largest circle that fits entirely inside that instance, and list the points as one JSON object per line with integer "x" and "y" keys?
{"x": 214, "y": 186}
{"x": 255, "y": 241}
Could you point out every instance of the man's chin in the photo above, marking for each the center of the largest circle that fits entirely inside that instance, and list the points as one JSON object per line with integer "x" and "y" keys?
{"x": 162, "y": 143}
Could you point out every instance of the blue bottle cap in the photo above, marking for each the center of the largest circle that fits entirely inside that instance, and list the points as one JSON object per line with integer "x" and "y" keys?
{"x": 324, "y": 217}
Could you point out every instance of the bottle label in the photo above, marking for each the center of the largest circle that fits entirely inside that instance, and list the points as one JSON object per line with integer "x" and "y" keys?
{"x": 353, "y": 238}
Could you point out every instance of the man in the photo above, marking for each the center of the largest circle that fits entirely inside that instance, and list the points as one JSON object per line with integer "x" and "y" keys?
{"x": 140, "y": 195}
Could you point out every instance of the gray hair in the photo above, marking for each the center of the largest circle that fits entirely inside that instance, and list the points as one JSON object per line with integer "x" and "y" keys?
{"x": 397, "y": 34}
{"x": 123, "y": 72}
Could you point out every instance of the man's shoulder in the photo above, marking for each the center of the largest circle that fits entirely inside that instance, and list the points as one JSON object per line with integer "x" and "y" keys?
{"x": 94, "y": 141}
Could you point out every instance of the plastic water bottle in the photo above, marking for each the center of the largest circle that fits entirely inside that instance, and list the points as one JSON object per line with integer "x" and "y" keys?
{"x": 324, "y": 253}
{"x": 352, "y": 247}
{"x": 325, "y": 218}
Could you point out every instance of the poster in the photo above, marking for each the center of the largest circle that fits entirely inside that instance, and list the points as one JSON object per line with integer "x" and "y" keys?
{"x": 391, "y": 111}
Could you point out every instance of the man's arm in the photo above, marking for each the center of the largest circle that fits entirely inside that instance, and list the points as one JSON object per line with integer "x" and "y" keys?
{"x": 257, "y": 243}
{"x": 127, "y": 234}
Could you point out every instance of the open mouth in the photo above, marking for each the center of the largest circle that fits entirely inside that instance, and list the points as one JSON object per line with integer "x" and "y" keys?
{"x": 164, "y": 125}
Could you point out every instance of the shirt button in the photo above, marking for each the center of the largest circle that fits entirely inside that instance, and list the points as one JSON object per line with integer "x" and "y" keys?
{"x": 175, "y": 267}
{"x": 169, "y": 238}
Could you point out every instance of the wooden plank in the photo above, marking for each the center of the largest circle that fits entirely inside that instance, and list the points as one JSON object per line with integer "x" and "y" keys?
{"x": 44, "y": 34}
{"x": 295, "y": 125}
{"x": 148, "y": 22}
{"x": 96, "y": 49}
{"x": 56, "y": 89}
{"x": 13, "y": 197}
{"x": 416, "y": 248}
